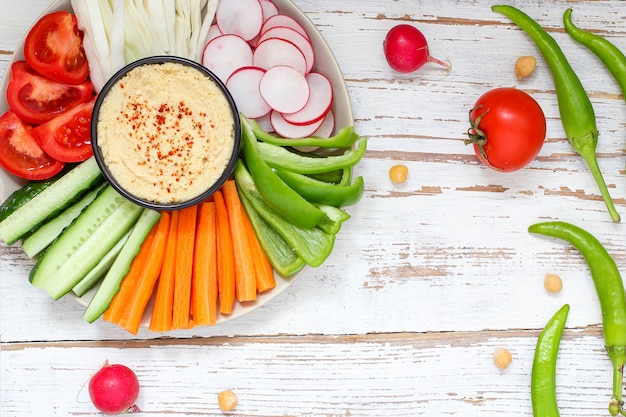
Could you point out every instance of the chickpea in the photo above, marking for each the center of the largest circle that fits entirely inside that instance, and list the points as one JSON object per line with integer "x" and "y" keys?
{"x": 524, "y": 66}
{"x": 552, "y": 283}
{"x": 398, "y": 173}
{"x": 227, "y": 400}
{"x": 502, "y": 357}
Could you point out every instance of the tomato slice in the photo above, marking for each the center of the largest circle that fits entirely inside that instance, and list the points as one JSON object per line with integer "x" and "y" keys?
{"x": 54, "y": 48}
{"x": 67, "y": 137}
{"x": 37, "y": 99}
{"x": 20, "y": 154}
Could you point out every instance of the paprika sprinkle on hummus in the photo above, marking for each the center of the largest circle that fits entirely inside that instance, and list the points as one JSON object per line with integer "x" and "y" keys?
{"x": 166, "y": 132}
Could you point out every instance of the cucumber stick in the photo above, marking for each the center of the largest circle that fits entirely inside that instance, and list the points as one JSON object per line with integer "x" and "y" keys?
{"x": 50, "y": 201}
{"x": 84, "y": 243}
{"x": 110, "y": 284}
{"x": 35, "y": 243}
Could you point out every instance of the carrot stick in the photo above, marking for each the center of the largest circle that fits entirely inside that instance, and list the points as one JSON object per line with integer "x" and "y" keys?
{"x": 245, "y": 274}
{"x": 204, "y": 278}
{"x": 185, "y": 240}
{"x": 225, "y": 256}
{"x": 129, "y": 283}
{"x": 161, "y": 320}
{"x": 265, "y": 279}
{"x": 131, "y": 319}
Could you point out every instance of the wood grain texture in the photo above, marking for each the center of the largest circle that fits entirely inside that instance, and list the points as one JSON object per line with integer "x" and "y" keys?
{"x": 426, "y": 279}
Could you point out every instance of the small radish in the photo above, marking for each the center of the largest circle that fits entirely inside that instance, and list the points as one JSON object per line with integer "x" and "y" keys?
{"x": 243, "y": 85}
{"x": 274, "y": 52}
{"x": 114, "y": 389}
{"x": 225, "y": 54}
{"x": 295, "y": 37}
{"x": 240, "y": 17}
{"x": 284, "y": 89}
{"x": 406, "y": 49}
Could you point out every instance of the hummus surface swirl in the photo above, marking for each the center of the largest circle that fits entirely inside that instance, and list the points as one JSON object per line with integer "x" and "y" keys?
{"x": 166, "y": 132}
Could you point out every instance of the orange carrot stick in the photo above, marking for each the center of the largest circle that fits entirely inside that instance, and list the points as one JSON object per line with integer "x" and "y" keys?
{"x": 204, "y": 278}
{"x": 161, "y": 320}
{"x": 185, "y": 240}
{"x": 225, "y": 261}
{"x": 265, "y": 279}
{"x": 129, "y": 283}
{"x": 131, "y": 319}
{"x": 245, "y": 274}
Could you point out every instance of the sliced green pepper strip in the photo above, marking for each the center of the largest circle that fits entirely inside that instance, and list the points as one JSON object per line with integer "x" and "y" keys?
{"x": 288, "y": 203}
{"x": 610, "y": 289}
{"x": 342, "y": 139}
{"x": 543, "y": 375}
{"x": 312, "y": 245}
{"x": 577, "y": 114}
{"x": 279, "y": 157}
{"x": 334, "y": 219}
{"x": 613, "y": 59}
{"x": 321, "y": 192}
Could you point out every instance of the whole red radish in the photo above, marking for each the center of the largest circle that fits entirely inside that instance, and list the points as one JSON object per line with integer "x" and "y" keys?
{"x": 406, "y": 49}
{"x": 114, "y": 389}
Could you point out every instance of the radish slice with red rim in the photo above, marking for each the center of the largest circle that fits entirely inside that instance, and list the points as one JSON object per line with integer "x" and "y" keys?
{"x": 243, "y": 85}
{"x": 284, "y": 20}
{"x": 288, "y": 130}
{"x": 225, "y": 54}
{"x": 265, "y": 123}
{"x": 319, "y": 103}
{"x": 214, "y": 32}
{"x": 328, "y": 126}
{"x": 284, "y": 89}
{"x": 269, "y": 9}
{"x": 279, "y": 52}
{"x": 295, "y": 37}
{"x": 240, "y": 17}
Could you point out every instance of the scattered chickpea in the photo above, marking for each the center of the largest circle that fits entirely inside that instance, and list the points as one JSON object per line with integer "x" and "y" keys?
{"x": 502, "y": 357}
{"x": 227, "y": 400}
{"x": 524, "y": 66}
{"x": 552, "y": 283}
{"x": 398, "y": 173}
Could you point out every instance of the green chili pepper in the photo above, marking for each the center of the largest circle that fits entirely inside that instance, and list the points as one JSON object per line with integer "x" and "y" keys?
{"x": 342, "y": 139}
{"x": 609, "y": 54}
{"x": 610, "y": 289}
{"x": 288, "y": 203}
{"x": 543, "y": 376}
{"x": 577, "y": 114}
{"x": 279, "y": 157}
{"x": 321, "y": 192}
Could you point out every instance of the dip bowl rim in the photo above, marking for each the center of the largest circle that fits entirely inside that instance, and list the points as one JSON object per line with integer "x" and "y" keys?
{"x": 110, "y": 178}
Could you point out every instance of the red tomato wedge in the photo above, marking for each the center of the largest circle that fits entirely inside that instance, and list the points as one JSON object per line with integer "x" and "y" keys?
{"x": 20, "y": 154}
{"x": 37, "y": 99}
{"x": 54, "y": 48}
{"x": 67, "y": 138}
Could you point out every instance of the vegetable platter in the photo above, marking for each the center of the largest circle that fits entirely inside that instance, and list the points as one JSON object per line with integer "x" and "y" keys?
{"x": 322, "y": 61}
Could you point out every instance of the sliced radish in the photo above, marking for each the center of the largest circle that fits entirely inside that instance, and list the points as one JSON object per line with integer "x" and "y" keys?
{"x": 320, "y": 100}
{"x": 279, "y": 52}
{"x": 243, "y": 85}
{"x": 295, "y": 37}
{"x": 265, "y": 123}
{"x": 328, "y": 126}
{"x": 269, "y": 9}
{"x": 284, "y": 20}
{"x": 288, "y": 130}
{"x": 240, "y": 17}
{"x": 225, "y": 54}
{"x": 214, "y": 32}
{"x": 284, "y": 89}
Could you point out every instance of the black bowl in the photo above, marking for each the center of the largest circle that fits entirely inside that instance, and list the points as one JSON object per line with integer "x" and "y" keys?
{"x": 101, "y": 157}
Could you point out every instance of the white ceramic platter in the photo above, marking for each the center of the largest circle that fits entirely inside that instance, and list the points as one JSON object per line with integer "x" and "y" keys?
{"x": 325, "y": 63}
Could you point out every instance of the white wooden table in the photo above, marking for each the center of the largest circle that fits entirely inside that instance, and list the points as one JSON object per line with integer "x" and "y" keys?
{"x": 426, "y": 279}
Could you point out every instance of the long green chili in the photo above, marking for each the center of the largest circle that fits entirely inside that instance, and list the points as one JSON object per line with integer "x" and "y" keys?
{"x": 543, "y": 376}
{"x": 577, "y": 114}
{"x": 610, "y": 289}
{"x": 613, "y": 59}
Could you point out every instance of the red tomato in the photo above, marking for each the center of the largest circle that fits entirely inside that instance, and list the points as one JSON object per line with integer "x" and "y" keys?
{"x": 54, "y": 48}
{"x": 20, "y": 154}
{"x": 67, "y": 137}
{"x": 37, "y": 99}
{"x": 508, "y": 129}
